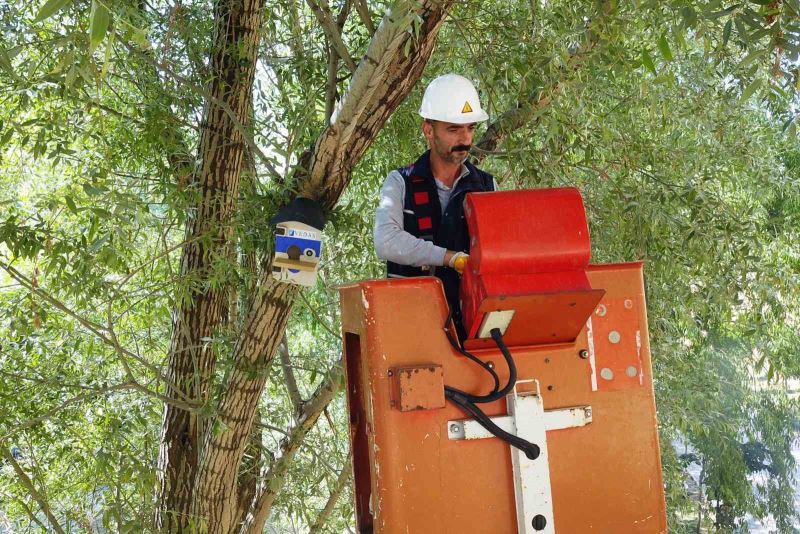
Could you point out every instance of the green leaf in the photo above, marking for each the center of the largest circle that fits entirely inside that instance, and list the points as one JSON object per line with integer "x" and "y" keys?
{"x": 50, "y": 8}
{"x": 93, "y": 191}
{"x": 69, "y": 79}
{"x": 647, "y": 61}
{"x": 98, "y": 26}
{"x": 71, "y": 204}
{"x": 689, "y": 16}
{"x": 726, "y": 33}
{"x": 98, "y": 243}
{"x": 751, "y": 57}
{"x": 750, "y": 89}
{"x": 6, "y": 137}
{"x": 139, "y": 36}
{"x": 663, "y": 46}
{"x": 5, "y": 61}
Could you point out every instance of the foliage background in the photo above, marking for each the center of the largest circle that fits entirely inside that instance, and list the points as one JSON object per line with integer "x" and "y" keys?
{"x": 675, "y": 119}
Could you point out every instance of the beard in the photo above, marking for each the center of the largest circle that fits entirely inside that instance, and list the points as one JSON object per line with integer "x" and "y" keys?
{"x": 447, "y": 154}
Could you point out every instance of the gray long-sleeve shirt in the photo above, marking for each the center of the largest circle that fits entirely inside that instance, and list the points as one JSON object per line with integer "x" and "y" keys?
{"x": 392, "y": 242}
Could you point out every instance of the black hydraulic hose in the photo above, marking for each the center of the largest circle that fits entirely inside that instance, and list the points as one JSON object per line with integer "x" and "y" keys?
{"x": 485, "y": 365}
{"x": 512, "y": 374}
{"x": 466, "y": 402}
{"x": 531, "y": 450}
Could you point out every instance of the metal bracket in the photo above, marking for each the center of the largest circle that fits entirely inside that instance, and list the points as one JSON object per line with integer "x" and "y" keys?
{"x": 528, "y": 420}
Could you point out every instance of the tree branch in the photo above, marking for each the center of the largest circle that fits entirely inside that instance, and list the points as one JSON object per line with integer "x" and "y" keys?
{"x": 100, "y": 331}
{"x": 333, "y": 65}
{"x": 323, "y": 13}
{"x": 388, "y": 72}
{"x": 364, "y": 15}
{"x": 30, "y": 513}
{"x": 526, "y": 110}
{"x": 74, "y": 400}
{"x": 276, "y": 476}
{"x": 344, "y": 477}
{"x": 26, "y": 483}
{"x": 288, "y": 376}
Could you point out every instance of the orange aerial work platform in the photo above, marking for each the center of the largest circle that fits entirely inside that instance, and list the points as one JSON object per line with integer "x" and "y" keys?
{"x": 582, "y": 402}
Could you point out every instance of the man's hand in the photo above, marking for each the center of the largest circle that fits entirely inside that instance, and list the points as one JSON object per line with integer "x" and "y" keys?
{"x": 456, "y": 260}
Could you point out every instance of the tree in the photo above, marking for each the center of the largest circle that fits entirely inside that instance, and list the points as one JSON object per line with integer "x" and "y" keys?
{"x": 116, "y": 97}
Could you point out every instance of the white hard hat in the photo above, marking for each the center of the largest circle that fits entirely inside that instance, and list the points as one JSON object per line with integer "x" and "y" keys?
{"x": 452, "y": 98}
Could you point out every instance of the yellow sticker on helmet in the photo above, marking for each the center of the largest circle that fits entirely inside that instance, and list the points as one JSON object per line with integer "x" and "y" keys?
{"x": 467, "y": 108}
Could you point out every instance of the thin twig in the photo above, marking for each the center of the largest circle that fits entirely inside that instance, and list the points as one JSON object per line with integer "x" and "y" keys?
{"x": 99, "y": 331}
{"x": 224, "y": 106}
{"x": 364, "y": 15}
{"x": 288, "y": 376}
{"x": 27, "y": 483}
{"x": 323, "y": 13}
{"x": 336, "y": 491}
{"x": 149, "y": 261}
{"x": 64, "y": 405}
{"x": 317, "y": 317}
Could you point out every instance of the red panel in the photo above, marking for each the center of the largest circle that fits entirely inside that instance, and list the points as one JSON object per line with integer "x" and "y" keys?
{"x": 536, "y": 230}
{"x": 539, "y": 319}
{"x": 501, "y": 287}
{"x": 529, "y": 251}
{"x": 421, "y": 197}
{"x": 425, "y": 223}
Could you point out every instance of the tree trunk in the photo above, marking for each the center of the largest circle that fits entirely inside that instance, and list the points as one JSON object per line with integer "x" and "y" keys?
{"x": 198, "y": 479}
{"x": 198, "y": 312}
{"x": 384, "y": 78}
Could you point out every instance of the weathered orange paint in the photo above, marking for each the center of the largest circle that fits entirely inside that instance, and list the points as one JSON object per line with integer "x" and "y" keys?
{"x": 420, "y": 387}
{"x": 410, "y": 478}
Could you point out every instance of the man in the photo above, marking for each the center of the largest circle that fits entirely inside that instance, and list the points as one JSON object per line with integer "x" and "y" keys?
{"x": 420, "y": 227}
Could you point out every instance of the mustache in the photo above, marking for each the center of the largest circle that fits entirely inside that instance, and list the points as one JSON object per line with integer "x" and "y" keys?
{"x": 459, "y": 148}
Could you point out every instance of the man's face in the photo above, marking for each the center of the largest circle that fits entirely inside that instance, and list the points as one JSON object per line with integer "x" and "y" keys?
{"x": 450, "y": 141}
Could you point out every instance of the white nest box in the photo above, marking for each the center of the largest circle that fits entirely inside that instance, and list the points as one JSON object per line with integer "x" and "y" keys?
{"x": 298, "y": 242}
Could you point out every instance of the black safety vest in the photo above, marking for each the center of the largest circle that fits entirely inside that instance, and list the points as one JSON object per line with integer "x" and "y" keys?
{"x": 423, "y": 218}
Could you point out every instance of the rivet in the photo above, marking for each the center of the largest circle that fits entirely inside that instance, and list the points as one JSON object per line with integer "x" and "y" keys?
{"x": 628, "y": 304}
{"x": 631, "y": 371}
{"x": 583, "y": 353}
{"x": 455, "y": 428}
{"x": 601, "y": 310}
{"x": 547, "y": 360}
{"x": 614, "y": 336}
{"x": 490, "y": 365}
{"x": 391, "y": 373}
{"x": 607, "y": 374}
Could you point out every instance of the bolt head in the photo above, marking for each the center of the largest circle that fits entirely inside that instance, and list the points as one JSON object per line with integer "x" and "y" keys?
{"x": 583, "y": 354}
{"x": 455, "y": 427}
